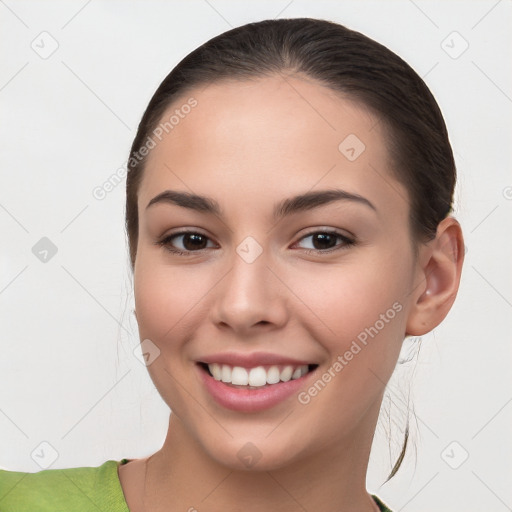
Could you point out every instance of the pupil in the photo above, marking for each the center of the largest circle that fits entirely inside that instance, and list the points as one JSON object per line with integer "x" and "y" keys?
{"x": 326, "y": 241}
{"x": 197, "y": 243}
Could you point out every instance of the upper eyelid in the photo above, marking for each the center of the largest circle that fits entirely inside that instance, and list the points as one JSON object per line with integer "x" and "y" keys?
{"x": 347, "y": 239}
{"x": 314, "y": 231}
{"x": 332, "y": 231}
{"x": 186, "y": 232}
{"x": 183, "y": 233}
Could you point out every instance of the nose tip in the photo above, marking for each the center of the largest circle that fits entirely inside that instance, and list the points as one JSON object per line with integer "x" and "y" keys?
{"x": 249, "y": 297}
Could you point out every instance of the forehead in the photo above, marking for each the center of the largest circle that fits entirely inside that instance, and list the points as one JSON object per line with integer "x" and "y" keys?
{"x": 278, "y": 134}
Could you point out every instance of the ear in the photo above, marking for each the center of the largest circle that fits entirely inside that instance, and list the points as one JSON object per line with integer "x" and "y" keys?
{"x": 438, "y": 277}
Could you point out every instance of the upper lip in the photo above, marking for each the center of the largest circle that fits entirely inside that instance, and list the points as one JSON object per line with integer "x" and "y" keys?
{"x": 252, "y": 360}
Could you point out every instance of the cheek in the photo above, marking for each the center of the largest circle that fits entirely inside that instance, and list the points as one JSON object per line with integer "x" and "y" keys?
{"x": 166, "y": 303}
{"x": 359, "y": 301}
{"x": 165, "y": 297}
{"x": 359, "y": 318}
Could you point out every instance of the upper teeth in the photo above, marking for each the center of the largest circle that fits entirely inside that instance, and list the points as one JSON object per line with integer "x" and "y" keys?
{"x": 258, "y": 376}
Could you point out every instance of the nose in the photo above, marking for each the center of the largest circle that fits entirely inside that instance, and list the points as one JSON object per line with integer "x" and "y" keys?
{"x": 250, "y": 298}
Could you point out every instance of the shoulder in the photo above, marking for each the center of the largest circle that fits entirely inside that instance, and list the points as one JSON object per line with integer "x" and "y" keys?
{"x": 63, "y": 489}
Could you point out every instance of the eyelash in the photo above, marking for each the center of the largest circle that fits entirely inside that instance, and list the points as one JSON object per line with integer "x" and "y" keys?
{"x": 347, "y": 242}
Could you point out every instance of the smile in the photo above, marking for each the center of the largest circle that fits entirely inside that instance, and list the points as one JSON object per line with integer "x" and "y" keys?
{"x": 250, "y": 390}
{"x": 258, "y": 376}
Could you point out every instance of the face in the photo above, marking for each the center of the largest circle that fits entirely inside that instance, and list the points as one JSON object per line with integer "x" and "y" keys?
{"x": 259, "y": 279}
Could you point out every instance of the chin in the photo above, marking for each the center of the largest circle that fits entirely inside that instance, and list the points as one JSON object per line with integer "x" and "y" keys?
{"x": 253, "y": 455}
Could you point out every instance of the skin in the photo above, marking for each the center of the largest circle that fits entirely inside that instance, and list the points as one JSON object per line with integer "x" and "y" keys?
{"x": 249, "y": 145}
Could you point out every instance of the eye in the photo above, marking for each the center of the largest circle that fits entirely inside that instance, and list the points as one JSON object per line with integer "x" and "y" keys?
{"x": 185, "y": 242}
{"x": 326, "y": 241}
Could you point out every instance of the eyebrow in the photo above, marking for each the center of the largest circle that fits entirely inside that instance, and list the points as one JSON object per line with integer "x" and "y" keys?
{"x": 295, "y": 204}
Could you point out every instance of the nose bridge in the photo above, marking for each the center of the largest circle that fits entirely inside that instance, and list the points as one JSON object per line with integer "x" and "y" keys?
{"x": 249, "y": 294}
{"x": 248, "y": 283}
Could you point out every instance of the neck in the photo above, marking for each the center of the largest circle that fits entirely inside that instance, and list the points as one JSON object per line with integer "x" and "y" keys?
{"x": 184, "y": 477}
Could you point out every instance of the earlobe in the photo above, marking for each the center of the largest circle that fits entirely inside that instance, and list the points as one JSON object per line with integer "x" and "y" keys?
{"x": 439, "y": 277}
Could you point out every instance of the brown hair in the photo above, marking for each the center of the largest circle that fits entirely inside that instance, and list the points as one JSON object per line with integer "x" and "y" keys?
{"x": 347, "y": 62}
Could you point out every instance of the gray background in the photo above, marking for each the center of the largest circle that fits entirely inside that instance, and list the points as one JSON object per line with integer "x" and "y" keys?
{"x": 73, "y": 391}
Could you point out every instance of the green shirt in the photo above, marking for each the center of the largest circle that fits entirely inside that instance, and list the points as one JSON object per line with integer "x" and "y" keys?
{"x": 70, "y": 490}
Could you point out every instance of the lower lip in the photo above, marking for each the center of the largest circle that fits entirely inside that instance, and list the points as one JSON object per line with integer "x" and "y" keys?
{"x": 251, "y": 400}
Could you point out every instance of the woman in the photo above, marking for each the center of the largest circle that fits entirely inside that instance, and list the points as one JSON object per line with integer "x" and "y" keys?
{"x": 288, "y": 213}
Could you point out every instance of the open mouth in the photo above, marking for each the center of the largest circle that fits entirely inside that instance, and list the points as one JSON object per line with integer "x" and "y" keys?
{"x": 256, "y": 377}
